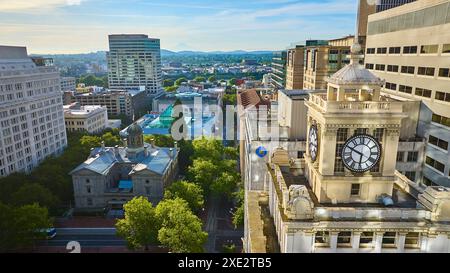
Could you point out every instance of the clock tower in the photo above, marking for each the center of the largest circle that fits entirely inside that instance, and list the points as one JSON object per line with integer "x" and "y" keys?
{"x": 353, "y": 137}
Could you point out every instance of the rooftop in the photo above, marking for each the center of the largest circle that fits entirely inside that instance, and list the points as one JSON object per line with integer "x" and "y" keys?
{"x": 101, "y": 160}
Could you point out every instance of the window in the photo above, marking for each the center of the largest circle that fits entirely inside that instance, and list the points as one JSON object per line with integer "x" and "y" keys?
{"x": 410, "y": 50}
{"x": 405, "y": 89}
{"x": 429, "y": 49}
{"x": 423, "y": 92}
{"x": 426, "y": 71}
{"x": 391, "y": 86}
{"x": 369, "y": 66}
{"x": 444, "y": 72}
{"x": 381, "y": 50}
{"x": 400, "y": 156}
{"x": 438, "y": 142}
{"x": 411, "y": 175}
{"x": 442, "y": 96}
{"x": 412, "y": 240}
{"x": 300, "y": 154}
{"x": 339, "y": 166}
{"x": 392, "y": 68}
{"x": 408, "y": 69}
{"x": 89, "y": 202}
{"x": 366, "y": 239}
{"x": 371, "y": 51}
{"x": 361, "y": 131}
{"x": 395, "y": 50}
{"x": 342, "y": 134}
{"x": 412, "y": 156}
{"x": 380, "y": 67}
{"x": 378, "y": 134}
{"x": 88, "y": 181}
{"x": 355, "y": 191}
{"x": 88, "y": 189}
{"x": 389, "y": 239}
{"x": 441, "y": 120}
{"x": 344, "y": 239}
{"x": 435, "y": 164}
{"x": 446, "y": 48}
{"x": 322, "y": 238}
{"x": 428, "y": 182}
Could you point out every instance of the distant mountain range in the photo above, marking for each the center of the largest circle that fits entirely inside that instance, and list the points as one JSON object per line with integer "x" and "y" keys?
{"x": 165, "y": 52}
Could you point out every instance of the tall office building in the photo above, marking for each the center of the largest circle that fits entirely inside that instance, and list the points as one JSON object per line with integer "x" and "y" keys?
{"x": 409, "y": 46}
{"x": 31, "y": 112}
{"x": 278, "y": 75}
{"x": 383, "y": 5}
{"x": 295, "y": 65}
{"x": 134, "y": 60}
{"x": 367, "y": 7}
{"x": 323, "y": 58}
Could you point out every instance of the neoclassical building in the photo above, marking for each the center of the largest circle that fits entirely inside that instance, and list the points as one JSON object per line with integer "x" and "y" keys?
{"x": 345, "y": 195}
{"x": 111, "y": 176}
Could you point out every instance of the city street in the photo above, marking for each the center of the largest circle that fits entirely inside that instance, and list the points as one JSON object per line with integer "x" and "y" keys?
{"x": 220, "y": 227}
{"x": 87, "y": 237}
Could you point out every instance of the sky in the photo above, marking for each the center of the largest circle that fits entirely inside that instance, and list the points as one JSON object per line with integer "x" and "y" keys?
{"x": 81, "y": 26}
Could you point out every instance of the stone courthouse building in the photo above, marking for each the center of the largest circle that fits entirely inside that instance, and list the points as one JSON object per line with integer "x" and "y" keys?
{"x": 112, "y": 176}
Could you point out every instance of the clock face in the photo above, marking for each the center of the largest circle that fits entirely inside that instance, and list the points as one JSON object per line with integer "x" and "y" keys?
{"x": 313, "y": 142}
{"x": 361, "y": 153}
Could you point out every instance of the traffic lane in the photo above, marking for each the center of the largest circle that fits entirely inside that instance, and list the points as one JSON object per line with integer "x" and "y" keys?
{"x": 85, "y": 231}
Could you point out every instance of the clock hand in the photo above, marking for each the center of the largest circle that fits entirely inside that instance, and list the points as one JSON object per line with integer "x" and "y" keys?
{"x": 356, "y": 151}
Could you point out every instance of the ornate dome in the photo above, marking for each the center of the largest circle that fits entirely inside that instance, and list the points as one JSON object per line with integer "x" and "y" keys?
{"x": 355, "y": 73}
{"x": 135, "y": 137}
{"x": 134, "y": 129}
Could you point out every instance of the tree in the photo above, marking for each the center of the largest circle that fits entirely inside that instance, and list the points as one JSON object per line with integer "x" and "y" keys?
{"x": 238, "y": 216}
{"x": 139, "y": 227}
{"x": 160, "y": 140}
{"x": 180, "y": 81}
{"x": 190, "y": 192}
{"x": 229, "y": 99}
{"x": 225, "y": 184}
{"x": 34, "y": 193}
{"x": 110, "y": 139}
{"x": 203, "y": 172}
{"x": 181, "y": 231}
{"x": 171, "y": 88}
{"x": 212, "y": 79}
{"x": 168, "y": 83}
{"x": 91, "y": 141}
{"x": 20, "y": 227}
{"x": 199, "y": 79}
{"x": 232, "y": 81}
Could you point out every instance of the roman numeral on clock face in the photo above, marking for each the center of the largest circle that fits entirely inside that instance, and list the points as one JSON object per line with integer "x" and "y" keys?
{"x": 361, "y": 153}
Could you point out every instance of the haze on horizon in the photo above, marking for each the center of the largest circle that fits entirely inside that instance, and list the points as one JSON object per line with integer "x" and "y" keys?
{"x": 83, "y": 26}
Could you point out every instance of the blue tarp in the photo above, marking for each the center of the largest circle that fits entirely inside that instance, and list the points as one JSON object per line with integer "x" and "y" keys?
{"x": 125, "y": 184}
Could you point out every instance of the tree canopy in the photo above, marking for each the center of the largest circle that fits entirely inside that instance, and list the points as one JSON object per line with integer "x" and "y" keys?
{"x": 139, "y": 227}
{"x": 190, "y": 192}
{"x": 21, "y": 226}
{"x": 181, "y": 231}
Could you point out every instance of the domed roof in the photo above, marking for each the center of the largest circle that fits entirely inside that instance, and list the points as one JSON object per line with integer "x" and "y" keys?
{"x": 355, "y": 73}
{"x": 134, "y": 129}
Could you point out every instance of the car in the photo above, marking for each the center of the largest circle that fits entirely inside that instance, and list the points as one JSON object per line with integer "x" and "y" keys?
{"x": 49, "y": 233}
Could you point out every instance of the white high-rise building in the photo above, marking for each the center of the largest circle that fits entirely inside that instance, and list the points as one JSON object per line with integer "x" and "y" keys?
{"x": 31, "y": 112}
{"x": 134, "y": 60}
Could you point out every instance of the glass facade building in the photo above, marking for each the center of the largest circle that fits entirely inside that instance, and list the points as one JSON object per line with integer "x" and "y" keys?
{"x": 383, "y": 5}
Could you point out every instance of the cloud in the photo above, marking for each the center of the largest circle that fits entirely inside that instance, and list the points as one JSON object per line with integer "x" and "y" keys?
{"x": 17, "y": 5}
